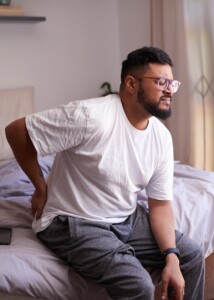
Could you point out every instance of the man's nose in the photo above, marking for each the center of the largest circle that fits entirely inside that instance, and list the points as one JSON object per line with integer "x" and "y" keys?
{"x": 168, "y": 90}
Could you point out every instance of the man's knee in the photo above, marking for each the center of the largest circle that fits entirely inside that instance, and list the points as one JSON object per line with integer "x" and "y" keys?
{"x": 145, "y": 289}
{"x": 191, "y": 252}
{"x": 197, "y": 254}
{"x": 125, "y": 278}
{"x": 137, "y": 290}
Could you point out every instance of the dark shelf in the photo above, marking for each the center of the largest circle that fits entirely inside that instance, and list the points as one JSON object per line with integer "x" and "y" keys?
{"x": 22, "y": 19}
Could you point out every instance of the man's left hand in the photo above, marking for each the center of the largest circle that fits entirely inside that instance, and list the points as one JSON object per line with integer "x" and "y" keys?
{"x": 173, "y": 284}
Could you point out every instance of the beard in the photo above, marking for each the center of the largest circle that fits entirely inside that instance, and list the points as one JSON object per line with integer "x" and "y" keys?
{"x": 153, "y": 108}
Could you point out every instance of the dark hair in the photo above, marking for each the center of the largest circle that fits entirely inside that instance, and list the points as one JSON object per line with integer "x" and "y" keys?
{"x": 142, "y": 58}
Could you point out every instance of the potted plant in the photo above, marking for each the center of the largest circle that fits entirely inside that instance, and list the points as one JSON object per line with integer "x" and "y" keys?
{"x": 5, "y": 2}
{"x": 107, "y": 89}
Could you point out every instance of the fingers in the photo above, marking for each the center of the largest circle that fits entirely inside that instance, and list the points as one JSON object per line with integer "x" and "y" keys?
{"x": 33, "y": 210}
{"x": 38, "y": 214}
{"x": 38, "y": 202}
{"x": 178, "y": 293}
{"x": 164, "y": 290}
{"x": 35, "y": 213}
{"x": 169, "y": 292}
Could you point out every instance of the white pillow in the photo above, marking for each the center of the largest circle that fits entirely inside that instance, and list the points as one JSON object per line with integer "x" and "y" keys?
{"x": 14, "y": 104}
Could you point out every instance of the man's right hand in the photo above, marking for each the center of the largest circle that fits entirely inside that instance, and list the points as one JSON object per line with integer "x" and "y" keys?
{"x": 38, "y": 201}
{"x": 26, "y": 155}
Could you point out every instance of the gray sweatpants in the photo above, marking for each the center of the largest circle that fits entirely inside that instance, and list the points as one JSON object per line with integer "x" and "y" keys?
{"x": 119, "y": 256}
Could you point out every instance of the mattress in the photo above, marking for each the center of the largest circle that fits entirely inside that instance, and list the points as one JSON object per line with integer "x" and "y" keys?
{"x": 29, "y": 270}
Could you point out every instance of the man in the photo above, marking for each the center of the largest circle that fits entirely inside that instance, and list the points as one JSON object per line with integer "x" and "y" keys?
{"x": 108, "y": 149}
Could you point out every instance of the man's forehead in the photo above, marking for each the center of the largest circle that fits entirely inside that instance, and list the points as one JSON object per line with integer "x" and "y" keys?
{"x": 159, "y": 69}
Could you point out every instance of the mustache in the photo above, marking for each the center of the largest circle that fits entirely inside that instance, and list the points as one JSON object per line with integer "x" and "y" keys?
{"x": 166, "y": 98}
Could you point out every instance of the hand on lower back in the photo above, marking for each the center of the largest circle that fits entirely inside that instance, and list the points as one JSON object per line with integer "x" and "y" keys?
{"x": 38, "y": 201}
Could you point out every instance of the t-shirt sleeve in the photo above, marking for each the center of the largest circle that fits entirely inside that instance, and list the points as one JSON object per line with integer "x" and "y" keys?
{"x": 160, "y": 185}
{"x": 57, "y": 129}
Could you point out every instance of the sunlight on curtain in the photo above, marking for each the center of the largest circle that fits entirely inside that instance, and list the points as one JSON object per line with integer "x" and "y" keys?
{"x": 201, "y": 70}
{"x": 184, "y": 28}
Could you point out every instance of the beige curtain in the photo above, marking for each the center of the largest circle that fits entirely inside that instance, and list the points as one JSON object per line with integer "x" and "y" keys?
{"x": 185, "y": 29}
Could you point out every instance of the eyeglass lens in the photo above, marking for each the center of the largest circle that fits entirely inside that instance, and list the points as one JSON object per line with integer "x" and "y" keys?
{"x": 165, "y": 83}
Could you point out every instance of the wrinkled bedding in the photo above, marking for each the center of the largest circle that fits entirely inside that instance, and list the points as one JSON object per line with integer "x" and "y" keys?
{"x": 29, "y": 270}
{"x": 193, "y": 204}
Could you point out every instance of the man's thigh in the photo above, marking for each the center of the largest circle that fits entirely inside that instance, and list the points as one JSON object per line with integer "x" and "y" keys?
{"x": 145, "y": 246}
{"x": 143, "y": 241}
{"x": 95, "y": 251}
{"x": 88, "y": 247}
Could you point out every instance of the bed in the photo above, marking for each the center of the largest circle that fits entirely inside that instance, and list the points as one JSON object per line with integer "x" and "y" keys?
{"x": 28, "y": 270}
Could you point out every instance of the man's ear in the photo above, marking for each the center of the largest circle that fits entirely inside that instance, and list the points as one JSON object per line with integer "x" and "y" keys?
{"x": 131, "y": 84}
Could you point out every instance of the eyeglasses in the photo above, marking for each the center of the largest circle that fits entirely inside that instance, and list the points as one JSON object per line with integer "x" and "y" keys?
{"x": 165, "y": 83}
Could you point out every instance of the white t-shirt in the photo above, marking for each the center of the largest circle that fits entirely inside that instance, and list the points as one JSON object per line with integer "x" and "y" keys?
{"x": 102, "y": 161}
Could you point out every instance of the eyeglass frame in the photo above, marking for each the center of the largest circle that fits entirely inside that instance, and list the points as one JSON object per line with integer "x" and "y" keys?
{"x": 169, "y": 82}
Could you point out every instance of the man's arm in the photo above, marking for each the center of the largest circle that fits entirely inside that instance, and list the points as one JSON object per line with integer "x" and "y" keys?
{"x": 26, "y": 155}
{"x": 162, "y": 225}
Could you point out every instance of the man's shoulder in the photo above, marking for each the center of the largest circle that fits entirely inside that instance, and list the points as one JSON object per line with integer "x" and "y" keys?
{"x": 99, "y": 113}
{"x": 102, "y": 102}
{"x": 105, "y": 100}
{"x": 101, "y": 109}
{"x": 92, "y": 108}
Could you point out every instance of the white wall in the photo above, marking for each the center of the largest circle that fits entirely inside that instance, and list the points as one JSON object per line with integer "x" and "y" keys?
{"x": 134, "y": 25}
{"x": 80, "y": 46}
